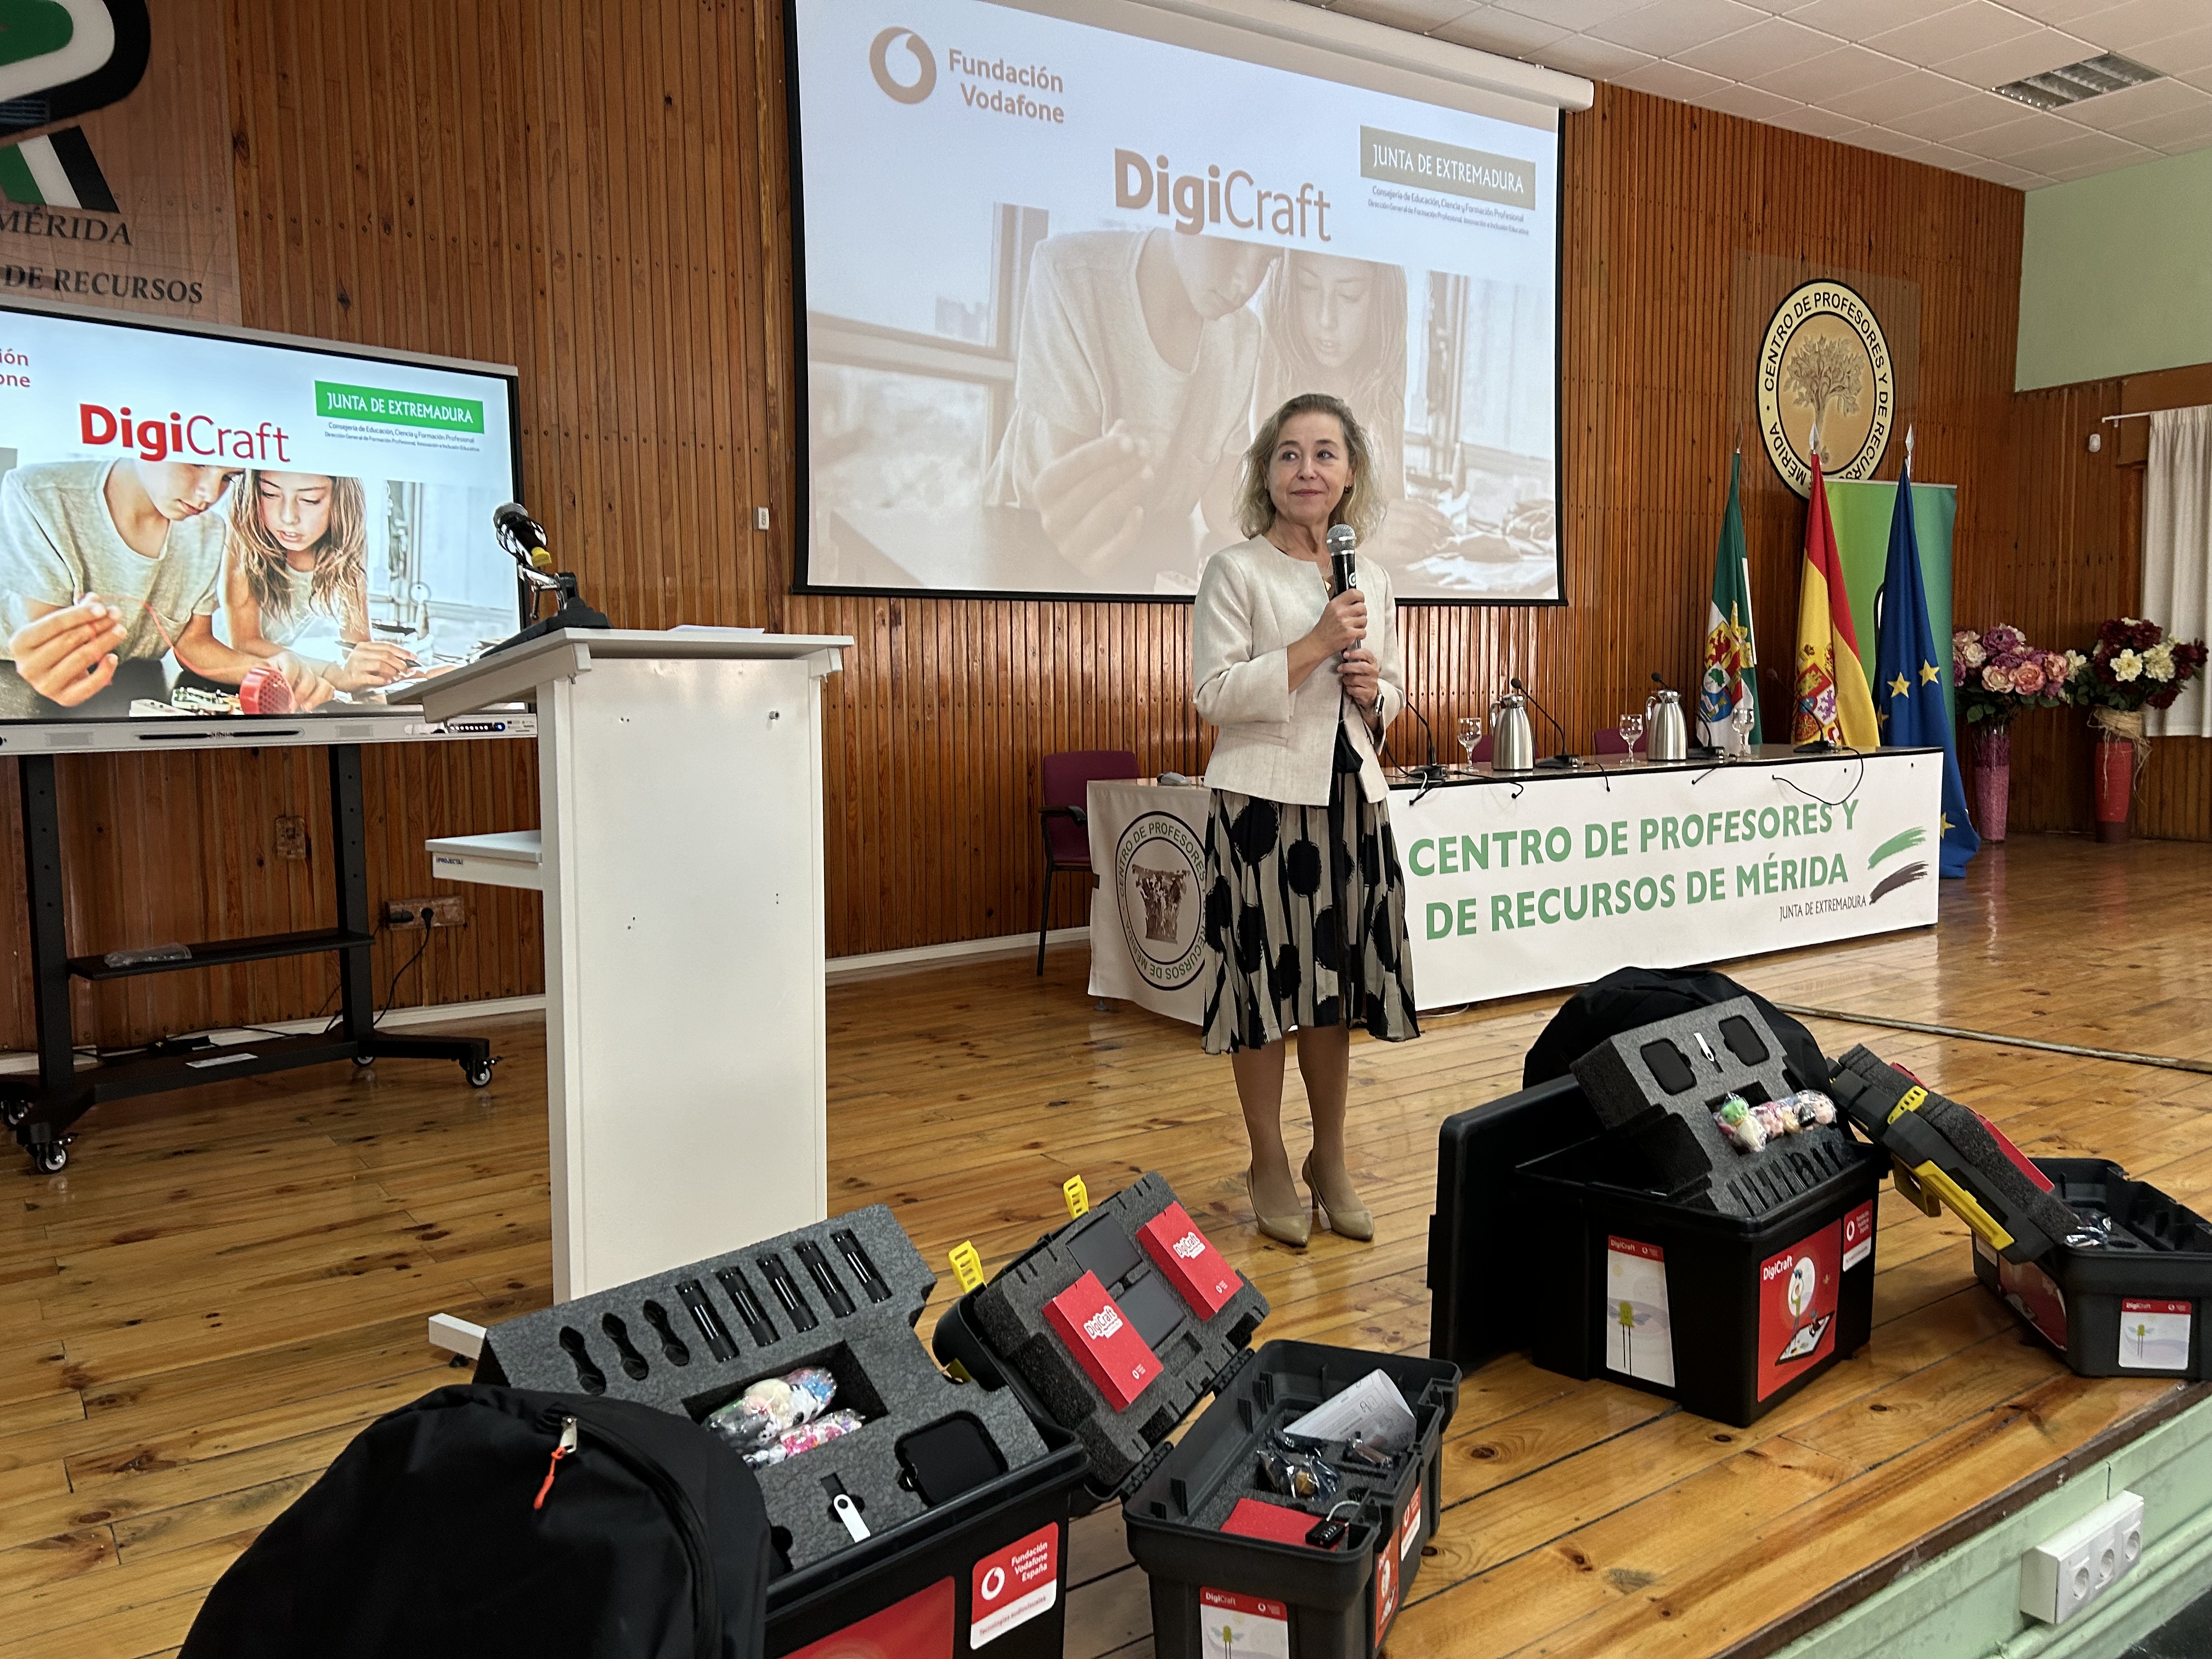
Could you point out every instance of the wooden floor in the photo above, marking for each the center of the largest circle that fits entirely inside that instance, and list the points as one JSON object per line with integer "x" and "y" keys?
{"x": 225, "y": 1285}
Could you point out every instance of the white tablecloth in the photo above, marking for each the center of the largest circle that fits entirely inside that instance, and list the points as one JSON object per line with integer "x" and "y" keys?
{"x": 1550, "y": 880}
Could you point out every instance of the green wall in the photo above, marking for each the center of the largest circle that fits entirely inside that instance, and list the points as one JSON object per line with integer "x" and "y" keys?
{"x": 2116, "y": 274}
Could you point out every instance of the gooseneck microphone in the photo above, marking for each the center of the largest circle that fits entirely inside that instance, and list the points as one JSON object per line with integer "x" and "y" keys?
{"x": 1563, "y": 760}
{"x": 523, "y": 535}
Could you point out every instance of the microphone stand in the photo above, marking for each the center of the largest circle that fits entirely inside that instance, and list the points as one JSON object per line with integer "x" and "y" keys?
{"x": 570, "y": 612}
{"x": 1562, "y": 761}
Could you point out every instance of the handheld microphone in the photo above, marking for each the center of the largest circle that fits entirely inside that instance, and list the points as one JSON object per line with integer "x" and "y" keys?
{"x": 526, "y": 535}
{"x": 1562, "y": 759}
{"x": 1344, "y": 566}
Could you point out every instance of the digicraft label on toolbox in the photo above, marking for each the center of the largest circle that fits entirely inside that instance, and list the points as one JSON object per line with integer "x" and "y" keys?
{"x": 1858, "y": 1236}
{"x": 1797, "y": 1292}
{"x": 1014, "y": 1585}
{"x": 2154, "y": 1335}
{"x": 1640, "y": 1338}
{"x": 1247, "y": 1626}
{"x": 920, "y": 1627}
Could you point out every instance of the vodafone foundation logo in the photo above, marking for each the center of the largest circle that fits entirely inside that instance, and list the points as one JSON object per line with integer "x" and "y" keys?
{"x": 879, "y": 66}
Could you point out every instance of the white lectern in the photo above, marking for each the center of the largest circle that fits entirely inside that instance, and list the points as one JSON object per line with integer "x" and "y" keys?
{"x": 680, "y": 854}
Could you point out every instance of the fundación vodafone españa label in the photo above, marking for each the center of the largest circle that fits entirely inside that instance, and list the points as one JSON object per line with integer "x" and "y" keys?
{"x": 1014, "y": 1585}
{"x": 1858, "y": 1236}
{"x": 1249, "y": 1626}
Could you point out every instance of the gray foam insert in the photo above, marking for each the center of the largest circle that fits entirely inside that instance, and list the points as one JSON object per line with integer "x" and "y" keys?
{"x": 882, "y": 1368}
{"x": 1010, "y": 1311}
{"x": 1635, "y": 1084}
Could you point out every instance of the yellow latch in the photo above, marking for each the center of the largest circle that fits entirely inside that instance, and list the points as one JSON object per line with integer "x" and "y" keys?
{"x": 1078, "y": 1196}
{"x": 967, "y": 1266}
{"x": 1915, "y": 1098}
{"x": 1933, "y": 1180}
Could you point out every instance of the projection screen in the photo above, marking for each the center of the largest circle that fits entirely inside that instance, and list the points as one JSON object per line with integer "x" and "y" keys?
{"x": 1057, "y": 259}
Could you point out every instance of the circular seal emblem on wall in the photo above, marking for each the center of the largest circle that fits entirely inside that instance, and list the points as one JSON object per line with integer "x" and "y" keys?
{"x": 1825, "y": 367}
{"x": 1158, "y": 870}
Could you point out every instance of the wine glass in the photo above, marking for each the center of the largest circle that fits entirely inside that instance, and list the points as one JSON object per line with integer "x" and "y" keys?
{"x": 1470, "y": 733}
{"x": 1631, "y": 728}
{"x": 1740, "y": 718}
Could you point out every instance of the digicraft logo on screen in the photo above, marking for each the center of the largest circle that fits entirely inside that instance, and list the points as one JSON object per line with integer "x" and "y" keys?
{"x": 201, "y": 437}
{"x": 879, "y": 66}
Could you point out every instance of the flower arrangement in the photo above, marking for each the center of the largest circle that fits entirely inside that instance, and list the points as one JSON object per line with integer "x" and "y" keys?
{"x": 2133, "y": 667}
{"x": 1997, "y": 673}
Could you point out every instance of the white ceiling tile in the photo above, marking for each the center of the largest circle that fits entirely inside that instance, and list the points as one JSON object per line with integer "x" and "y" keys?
{"x": 2115, "y": 110}
{"x": 2060, "y": 13}
{"x": 2174, "y": 134}
{"x": 1820, "y": 123}
{"x": 1947, "y": 124}
{"x": 1670, "y": 79}
{"x": 1571, "y": 13}
{"x": 2013, "y": 60}
{"x": 2132, "y": 23}
{"x": 1901, "y": 95}
{"x": 1415, "y": 16}
{"x": 1888, "y": 142}
{"x": 2028, "y": 130}
{"x": 1750, "y": 102}
{"x": 1490, "y": 28}
{"x": 2178, "y": 54}
{"x": 2093, "y": 169}
{"x": 1601, "y": 60}
{"x": 1854, "y": 20}
{"x": 1666, "y": 28}
{"x": 1847, "y": 69}
{"x": 1998, "y": 173}
{"x": 1954, "y": 30}
{"x": 1954, "y": 160}
{"x": 2083, "y": 148}
{"x": 1772, "y": 44}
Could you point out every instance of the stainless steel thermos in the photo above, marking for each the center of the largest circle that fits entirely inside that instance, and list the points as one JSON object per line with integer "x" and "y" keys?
{"x": 1665, "y": 736}
{"x": 1512, "y": 744}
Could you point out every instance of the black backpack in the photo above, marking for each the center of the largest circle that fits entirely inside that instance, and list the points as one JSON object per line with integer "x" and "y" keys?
{"x": 1630, "y": 997}
{"x": 449, "y": 1526}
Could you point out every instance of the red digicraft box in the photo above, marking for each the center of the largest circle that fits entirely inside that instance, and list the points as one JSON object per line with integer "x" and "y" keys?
{"x": 1188, "y": 1257}
{"x": 1103, "y": 1342}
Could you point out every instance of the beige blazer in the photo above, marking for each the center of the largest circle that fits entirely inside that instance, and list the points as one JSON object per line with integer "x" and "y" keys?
{"x": 1255, "y": 601}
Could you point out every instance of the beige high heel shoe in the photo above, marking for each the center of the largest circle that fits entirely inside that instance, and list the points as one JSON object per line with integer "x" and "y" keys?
{"x": 1293, "y": 1228}
{"x": 1346, "y": 1221}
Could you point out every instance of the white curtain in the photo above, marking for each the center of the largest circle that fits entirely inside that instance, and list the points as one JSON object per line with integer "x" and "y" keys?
{"x": 2177, "y": 591}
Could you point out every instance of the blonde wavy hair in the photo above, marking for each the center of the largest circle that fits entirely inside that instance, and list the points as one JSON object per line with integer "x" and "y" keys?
{"x": 1360, "y": 508}
{"x": 341, "y": 555}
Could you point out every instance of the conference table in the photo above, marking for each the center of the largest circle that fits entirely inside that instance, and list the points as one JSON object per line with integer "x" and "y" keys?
{"x": 1537, "y": 881}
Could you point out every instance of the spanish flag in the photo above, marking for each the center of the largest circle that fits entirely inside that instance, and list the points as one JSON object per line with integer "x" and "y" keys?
{"x": 1834, "y": 700}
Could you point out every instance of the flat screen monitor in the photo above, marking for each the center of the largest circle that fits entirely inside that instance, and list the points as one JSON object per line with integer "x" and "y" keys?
{"x": 198, "y": 524}
{"x": 1058, "y": 260}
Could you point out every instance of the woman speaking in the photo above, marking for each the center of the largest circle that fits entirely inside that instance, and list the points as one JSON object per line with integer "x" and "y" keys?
{"x": 1305, "y": 906}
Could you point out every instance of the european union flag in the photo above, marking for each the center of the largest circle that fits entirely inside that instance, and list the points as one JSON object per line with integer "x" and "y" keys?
{"x": 1909, "y": 673}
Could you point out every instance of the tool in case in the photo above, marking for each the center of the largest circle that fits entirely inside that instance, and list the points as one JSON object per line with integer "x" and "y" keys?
{"x": 1307, "y": 1544}
{"x": 899, "y": 1499}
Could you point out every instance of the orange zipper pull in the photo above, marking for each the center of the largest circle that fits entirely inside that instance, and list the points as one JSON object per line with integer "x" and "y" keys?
{"x": 567, "y": 1447}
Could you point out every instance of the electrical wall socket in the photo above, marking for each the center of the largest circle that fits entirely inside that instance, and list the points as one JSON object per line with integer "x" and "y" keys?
{"x": 403, "y": 913}
{"x": 2069, "y": 1569}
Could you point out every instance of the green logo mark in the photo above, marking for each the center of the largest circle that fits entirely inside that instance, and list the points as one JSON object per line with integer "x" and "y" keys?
{"x": 339, "y": 401}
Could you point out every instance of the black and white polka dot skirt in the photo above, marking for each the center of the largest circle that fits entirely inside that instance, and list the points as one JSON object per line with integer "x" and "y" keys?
{"x": 1277, "y": 878}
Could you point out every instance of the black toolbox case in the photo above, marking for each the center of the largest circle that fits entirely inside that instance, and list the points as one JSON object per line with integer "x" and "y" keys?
{"x": 1571, "y": 1228}
{"x": 1321, "y": 1604}
{"x": 2133, "y": 1304}
{"x": 954, "y": 1484}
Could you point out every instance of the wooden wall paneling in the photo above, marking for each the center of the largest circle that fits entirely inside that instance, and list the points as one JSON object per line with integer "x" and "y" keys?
{"x": 597, "y": 194}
